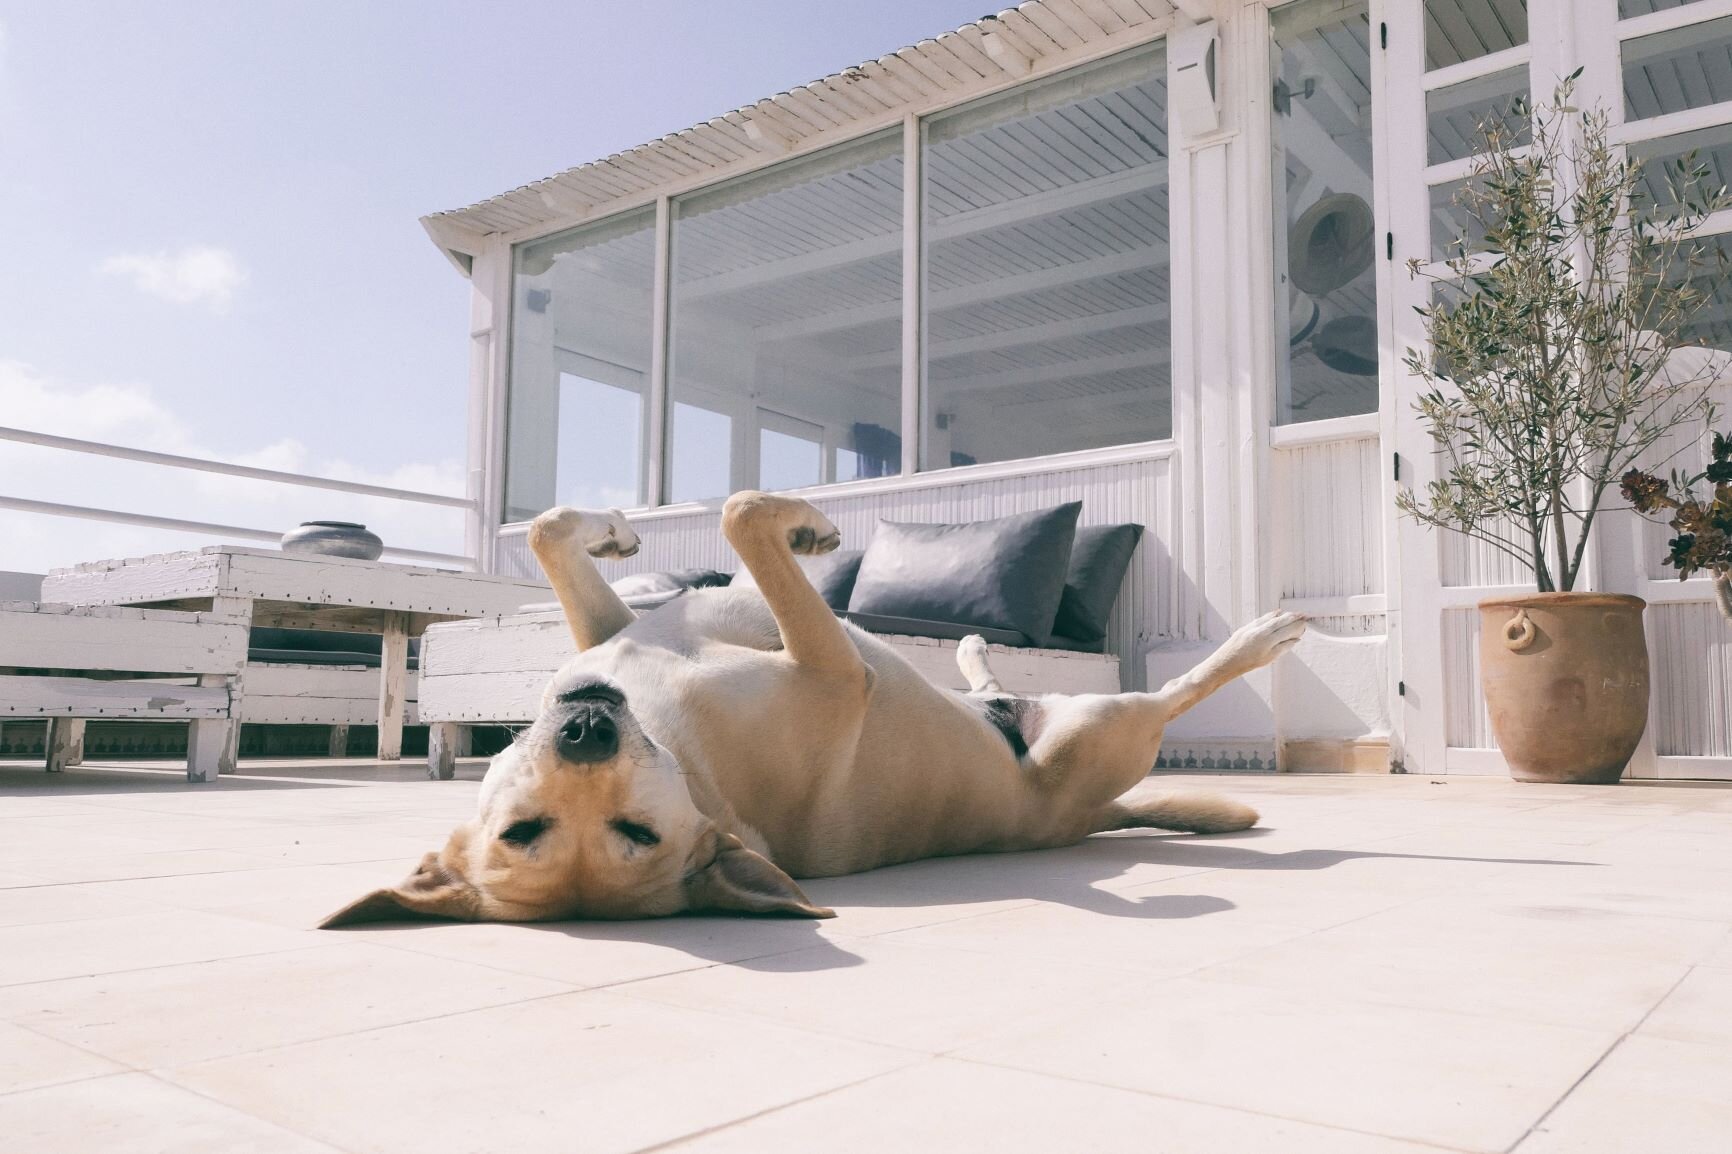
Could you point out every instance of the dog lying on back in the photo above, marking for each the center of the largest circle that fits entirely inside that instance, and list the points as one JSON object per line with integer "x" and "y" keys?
{"x": 705, "y": 755}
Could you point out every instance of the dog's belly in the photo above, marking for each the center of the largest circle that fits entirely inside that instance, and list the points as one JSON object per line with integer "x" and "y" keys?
{"x": 827, "y": 781}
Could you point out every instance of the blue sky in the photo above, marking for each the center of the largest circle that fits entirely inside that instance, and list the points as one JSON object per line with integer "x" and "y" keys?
{"x": 212, "y": 213}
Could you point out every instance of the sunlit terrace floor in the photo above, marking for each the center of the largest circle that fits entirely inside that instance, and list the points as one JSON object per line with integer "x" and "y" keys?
{"x": 1394, "y": 964}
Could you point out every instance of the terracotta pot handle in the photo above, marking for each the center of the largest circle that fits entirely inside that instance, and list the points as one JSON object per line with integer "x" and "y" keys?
{"x": 1519, "y": 631}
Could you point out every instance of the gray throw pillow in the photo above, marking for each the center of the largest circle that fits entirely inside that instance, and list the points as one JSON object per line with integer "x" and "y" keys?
{"x": 1098, "y": 560}
{"x": 831, "y": 574}
{"x": 1003, "y": 574}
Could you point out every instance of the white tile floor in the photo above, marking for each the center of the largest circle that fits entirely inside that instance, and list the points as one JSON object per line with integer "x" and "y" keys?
{"x": 1392, "y": 964}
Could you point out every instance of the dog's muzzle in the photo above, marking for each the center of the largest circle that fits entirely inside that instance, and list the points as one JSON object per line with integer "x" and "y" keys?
{"x": 589, "y": 734}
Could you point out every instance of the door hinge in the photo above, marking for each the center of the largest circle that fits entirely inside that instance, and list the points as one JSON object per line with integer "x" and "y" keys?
{"x": 1401, "y": 689}
{"x": 1397, "y": 457}
{"x": 1388, "y": 246}
{"x": 1383, "y": 34}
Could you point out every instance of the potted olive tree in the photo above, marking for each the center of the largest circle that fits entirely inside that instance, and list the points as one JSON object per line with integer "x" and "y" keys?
{"x": 1548, "y": 376}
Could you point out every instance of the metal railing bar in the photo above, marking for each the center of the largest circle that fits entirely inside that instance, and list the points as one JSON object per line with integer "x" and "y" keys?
{"x": 150, "y": 521}
{"x": 199, "y": 464}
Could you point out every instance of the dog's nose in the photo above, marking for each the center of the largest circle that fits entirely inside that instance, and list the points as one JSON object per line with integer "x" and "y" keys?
{"x": 589, "y": 735}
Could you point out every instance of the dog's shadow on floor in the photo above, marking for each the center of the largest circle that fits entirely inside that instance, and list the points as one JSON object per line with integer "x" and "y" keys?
{"x": 1067, "y": 876}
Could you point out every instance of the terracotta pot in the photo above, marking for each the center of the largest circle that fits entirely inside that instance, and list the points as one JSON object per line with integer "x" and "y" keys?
{"x": 1565, "y": 677}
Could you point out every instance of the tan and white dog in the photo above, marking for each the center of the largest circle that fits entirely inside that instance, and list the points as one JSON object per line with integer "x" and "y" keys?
{"x": 703, "y": 756}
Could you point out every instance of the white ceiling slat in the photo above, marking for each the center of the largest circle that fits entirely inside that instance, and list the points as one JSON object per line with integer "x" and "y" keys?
{"x": 782, "y": 109}
{"x": 1030, "y": 33}
{"x": 1102, "y": 14}
{"x": 934, "y": 73}
{"x": 870, "y": 80}
{"x": 1048, "y": 22}
{"x": 898, "y": 66}
{"x": 812, "y": 108}
{"x": 878, "y": 73}
{"x": 1066, "y": 11}
{"x": 1155, "y": 9}
{"x": 1134, "y": 14}
{"x": 969, "y": 55}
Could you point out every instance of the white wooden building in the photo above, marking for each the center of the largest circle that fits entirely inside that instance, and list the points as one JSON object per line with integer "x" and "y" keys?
{"x": 1147, "y": 255}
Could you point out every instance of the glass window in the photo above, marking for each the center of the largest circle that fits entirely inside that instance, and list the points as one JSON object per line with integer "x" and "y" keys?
{"x": 1456, "y": 228}
{"x": 1046, "y": 268}
{"x": 1661, "y": 157}
{"x": 1454, "y": 115}
{"x": 1685, "y": 68}
{"x": 1325, "y": 235}
{"x": 580, "y": 350}
{"x": 790, "y": 451}
{"x": 1458, "y": 30}
{"x": 787, "y": 301}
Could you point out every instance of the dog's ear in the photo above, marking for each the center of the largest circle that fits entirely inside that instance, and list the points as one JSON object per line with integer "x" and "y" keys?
{"x": 739, "y": 879}
{"x": 433, "y": 891}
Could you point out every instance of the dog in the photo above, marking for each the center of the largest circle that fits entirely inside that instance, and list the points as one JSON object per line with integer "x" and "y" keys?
{"x": 704, "y": 756}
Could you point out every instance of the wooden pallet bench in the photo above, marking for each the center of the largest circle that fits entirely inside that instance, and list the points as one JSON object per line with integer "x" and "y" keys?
{"x": 69, "y": 664}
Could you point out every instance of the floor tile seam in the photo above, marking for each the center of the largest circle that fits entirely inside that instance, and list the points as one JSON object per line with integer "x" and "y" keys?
{"x": 1616, "y": 1044}
{"x": 59, "y": 1082}
{"x": 280, "y": 1047}
{"x": 130, "y": 1067}
{"x": 1214, "y": 1105}
{"x": 675, "y": 1143}
{"x": 281, "y": 1127}
{"x": 158, "y": 966}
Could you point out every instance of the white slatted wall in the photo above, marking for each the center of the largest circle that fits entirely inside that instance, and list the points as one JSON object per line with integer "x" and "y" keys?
{"x": 1329, "y": 532}
{"x": 1467, "y": 725}
{"x": 1691, "y": 648}
{"x": 1136, "y": 491}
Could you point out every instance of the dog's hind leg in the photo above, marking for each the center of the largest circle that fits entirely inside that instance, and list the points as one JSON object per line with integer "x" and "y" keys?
{"x": 971, "y": 659}
{"x": 564, "y": 540}
{"x": 1089, "y": 750}
{"x": 766, "y": 531}
{"x": 1184, "y": 811}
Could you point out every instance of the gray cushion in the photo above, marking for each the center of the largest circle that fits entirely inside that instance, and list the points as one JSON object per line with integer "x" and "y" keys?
{"x": 831, "y": 574}
{"x": 1098, "y": 560}
{"x": 1005, "y": 574}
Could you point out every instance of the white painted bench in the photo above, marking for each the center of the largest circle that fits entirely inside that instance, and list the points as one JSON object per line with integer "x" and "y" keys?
{"x": 339, "y": 696}
{"x": 492, "y": 670}
{"x": 70, "y": 663}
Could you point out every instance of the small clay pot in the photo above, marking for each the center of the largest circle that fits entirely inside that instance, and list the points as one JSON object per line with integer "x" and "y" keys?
{"x": 334, "y": 539}
{"x": 1565, "y": 677}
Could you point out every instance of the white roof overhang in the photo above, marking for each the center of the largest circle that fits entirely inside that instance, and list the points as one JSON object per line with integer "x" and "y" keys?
{"x": 1035, "y": 38}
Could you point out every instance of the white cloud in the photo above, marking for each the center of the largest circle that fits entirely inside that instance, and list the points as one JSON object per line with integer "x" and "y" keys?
{"x": 195, "y": 274}
{"x": 129, "y": 415}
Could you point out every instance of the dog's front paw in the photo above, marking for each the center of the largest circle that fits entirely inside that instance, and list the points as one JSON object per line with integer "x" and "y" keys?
{"x": 1268, "y": 637}
{"x": 617, "y": 539}
{"x": 808, "y": 531}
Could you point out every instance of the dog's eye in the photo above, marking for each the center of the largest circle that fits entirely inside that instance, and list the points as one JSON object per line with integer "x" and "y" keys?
{"x": 641, "y": 834}
{"x": 523, "y": 832}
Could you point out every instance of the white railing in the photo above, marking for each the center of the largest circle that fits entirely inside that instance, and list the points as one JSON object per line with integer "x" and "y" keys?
{"x": 201, "y": 465}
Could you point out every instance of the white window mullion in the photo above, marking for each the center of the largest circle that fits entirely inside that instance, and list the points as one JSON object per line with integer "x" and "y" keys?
{"x": 912, "y": 285}
{"x": 656, "y": 450}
